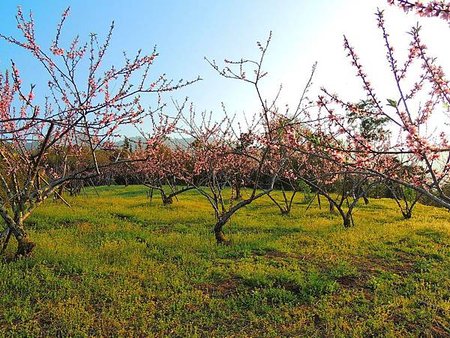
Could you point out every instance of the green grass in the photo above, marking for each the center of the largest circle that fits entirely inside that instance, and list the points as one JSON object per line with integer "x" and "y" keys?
{"x": 116, "y": 265}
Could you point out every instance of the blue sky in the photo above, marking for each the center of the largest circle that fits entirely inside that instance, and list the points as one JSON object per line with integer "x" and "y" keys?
{"x": 304, "y": 31}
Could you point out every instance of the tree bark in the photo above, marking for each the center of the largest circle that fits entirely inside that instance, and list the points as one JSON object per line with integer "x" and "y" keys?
{"x": 236, "y": 193}
{"x": 332, "y": 210}
{"x": 167, "y": 200}
{"x": 218, "y": 232}
{"x": 223, "y": 218}
{"x": 7, "y": 235}
{"x": 407, "y": 214}
{"x": 366, "y": 200}
{"x": 24, "y": 245}
{"x": 347, "y": 222}
{"x": 286, "y": 212}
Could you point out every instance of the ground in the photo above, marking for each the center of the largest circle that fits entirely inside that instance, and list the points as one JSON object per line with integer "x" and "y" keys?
{"x": 116, "y": 264}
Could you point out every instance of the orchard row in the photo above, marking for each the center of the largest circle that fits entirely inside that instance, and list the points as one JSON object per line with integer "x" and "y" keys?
{"x": 327, "y": 146}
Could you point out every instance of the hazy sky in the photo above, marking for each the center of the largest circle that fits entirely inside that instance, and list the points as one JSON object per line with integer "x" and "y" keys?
{"x": 304, "y": 31}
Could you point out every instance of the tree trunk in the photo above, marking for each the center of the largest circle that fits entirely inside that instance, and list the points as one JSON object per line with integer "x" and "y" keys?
{"x": 167, "y": 200}
{"x": 407, "y": 214}
{"x": 366, "y": 200}
{"x": 285, "y": 212}
{"x": 7, "y": 236}
{"x": 224, "y": 217}
{"x": 218, "y": 232}
{"x": 24, "y": 245}
{"x": 236, "y": 194}
{"x": 332, "y": 210}
{"x": 347, "y": 222}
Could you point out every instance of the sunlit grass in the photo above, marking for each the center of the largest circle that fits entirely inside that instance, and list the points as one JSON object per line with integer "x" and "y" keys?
{"x": 119, "y": 265}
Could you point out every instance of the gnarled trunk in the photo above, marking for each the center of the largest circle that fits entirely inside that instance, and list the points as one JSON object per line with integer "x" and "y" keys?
{"x": 167, "y": 200}
{"x": 347, "y": 221}
{"x": 224, "y": 216}
{"x": 218, "y": 230}
{"x": 24, "y": 245}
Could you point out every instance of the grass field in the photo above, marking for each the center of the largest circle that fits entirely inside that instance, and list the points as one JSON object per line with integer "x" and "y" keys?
{"x": 116, "y": 265}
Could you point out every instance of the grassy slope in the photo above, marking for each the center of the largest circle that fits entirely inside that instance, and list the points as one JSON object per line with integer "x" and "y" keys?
{"x": 115, "y": 265}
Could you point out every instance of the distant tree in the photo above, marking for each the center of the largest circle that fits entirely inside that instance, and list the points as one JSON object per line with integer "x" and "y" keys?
{"x": 289, "y": 181}
{"x": 406, "y": 198}
{"x": 216, "y": 161}
{"x": 164, "y": 170}
{"x": 323, "y": 169}
{"x": 231, "y": 155}
{"x": 127, "y": 145}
